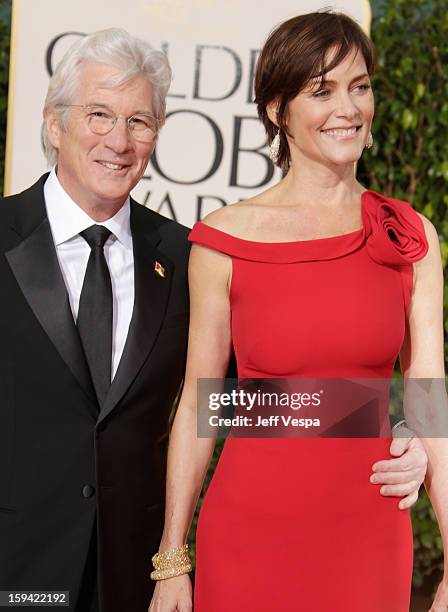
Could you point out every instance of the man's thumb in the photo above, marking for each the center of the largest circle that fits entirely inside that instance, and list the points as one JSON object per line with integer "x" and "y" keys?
{"x": 398, "y": 446}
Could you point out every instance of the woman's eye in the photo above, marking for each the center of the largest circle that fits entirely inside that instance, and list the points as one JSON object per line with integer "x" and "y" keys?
{"x": 324, "y": 93}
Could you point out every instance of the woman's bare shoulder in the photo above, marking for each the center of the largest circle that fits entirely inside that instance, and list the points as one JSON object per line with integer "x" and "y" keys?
{"x": 233, "y": 218}
{"x": 432, "y": 237}
{"x": 430, "y": 229}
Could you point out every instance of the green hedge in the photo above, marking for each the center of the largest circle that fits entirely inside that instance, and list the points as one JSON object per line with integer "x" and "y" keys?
{"x": 409, "y": 159}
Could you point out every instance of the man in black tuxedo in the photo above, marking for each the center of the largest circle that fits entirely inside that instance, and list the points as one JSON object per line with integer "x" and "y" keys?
{"x": 93, "y": 328}
{"x": 94, "y": 322}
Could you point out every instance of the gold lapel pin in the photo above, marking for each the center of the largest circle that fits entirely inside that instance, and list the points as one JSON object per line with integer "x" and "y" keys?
{"x": 159, "y": 269}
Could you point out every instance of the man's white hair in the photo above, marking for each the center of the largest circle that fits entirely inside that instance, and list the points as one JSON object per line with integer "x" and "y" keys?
{"x": 112, "y": 47}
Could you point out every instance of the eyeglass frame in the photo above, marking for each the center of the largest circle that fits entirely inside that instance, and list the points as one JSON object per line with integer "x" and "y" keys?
{"x": 116, "y": 117}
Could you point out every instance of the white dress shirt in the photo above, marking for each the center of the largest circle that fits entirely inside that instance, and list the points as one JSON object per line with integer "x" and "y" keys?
{"x": 67, "y": 220}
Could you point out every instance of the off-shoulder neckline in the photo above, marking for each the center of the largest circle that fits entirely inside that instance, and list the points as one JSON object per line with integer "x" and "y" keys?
{"x": 351, "y": 234}
{"x": 392, "y": 232}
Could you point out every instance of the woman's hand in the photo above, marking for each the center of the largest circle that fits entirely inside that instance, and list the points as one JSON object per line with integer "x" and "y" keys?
{"x": 440, "y": 603}
{"x": 172, "y": 595}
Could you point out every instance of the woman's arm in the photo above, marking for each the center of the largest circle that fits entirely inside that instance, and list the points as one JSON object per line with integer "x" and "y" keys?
{"x": 209, "y": 350}
{"x": 422, "y": 364}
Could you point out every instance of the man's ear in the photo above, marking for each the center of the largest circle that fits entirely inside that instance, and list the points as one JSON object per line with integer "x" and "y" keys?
{"x": 54, "y": 130}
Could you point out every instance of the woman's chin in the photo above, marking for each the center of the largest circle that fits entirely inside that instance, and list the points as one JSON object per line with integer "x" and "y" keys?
{"x": 343, "y": 159}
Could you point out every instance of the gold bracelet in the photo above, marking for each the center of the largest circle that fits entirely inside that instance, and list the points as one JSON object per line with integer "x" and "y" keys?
{"x": 170, "y": 573}
{"x": 171, "y": 563}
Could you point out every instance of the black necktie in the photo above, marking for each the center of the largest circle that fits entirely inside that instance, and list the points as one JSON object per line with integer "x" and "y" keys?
{"x": 95, "y": 312}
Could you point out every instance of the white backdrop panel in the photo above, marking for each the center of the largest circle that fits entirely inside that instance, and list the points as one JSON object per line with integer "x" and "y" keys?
{"x": 212, "y": 150}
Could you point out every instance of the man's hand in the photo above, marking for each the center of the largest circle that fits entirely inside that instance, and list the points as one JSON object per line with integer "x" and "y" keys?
{"x": 402, "y": 477}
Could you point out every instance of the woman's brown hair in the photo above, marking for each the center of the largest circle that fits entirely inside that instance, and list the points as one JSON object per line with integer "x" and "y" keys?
{"x": 294, "y": 54}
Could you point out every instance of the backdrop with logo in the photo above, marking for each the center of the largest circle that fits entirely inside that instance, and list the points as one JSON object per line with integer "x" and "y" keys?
{"x": 212, "y": 150}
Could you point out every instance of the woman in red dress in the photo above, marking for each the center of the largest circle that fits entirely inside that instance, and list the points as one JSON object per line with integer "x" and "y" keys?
{"x": 315, "y": 277}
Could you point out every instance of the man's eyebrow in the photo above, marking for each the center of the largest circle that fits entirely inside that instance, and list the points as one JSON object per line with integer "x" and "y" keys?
{"x": 102, "y": 105}
{"x": 96, "y": 104}
{"x": 143, "y": 112}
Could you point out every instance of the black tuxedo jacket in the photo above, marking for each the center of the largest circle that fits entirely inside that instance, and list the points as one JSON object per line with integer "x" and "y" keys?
{"x": 62, "y": 462}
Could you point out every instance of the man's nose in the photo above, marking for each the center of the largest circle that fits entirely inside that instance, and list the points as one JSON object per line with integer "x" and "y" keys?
{"x": 119, "y": 139}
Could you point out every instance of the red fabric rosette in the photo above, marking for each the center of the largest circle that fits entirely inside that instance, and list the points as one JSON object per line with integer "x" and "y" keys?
{"x": 396, "y": 235}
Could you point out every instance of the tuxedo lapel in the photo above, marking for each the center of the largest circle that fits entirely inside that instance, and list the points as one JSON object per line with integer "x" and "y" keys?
{"x": 152, "y": 291}
{"x": 35, "y": 266}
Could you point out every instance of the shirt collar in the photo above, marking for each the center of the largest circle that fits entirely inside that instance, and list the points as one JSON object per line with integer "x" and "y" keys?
{"x": 67, "y": 219}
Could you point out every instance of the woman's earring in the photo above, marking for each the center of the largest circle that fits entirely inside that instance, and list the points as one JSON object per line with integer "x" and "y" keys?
{"x": 369, "y": 143}
{"x": 274, "y": 147}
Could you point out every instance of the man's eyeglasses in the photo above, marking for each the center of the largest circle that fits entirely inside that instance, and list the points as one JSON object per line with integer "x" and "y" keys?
{"x": 143, "y": 127}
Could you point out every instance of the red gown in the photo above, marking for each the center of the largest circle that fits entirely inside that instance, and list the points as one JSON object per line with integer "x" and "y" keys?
{"x": 294, "y": 525}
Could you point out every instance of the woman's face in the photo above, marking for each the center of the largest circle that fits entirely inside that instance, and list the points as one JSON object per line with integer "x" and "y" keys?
{"x": 331, "y": 124}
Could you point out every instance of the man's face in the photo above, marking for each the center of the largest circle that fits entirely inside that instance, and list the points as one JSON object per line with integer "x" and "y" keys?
{"x": 99, "y": 171}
